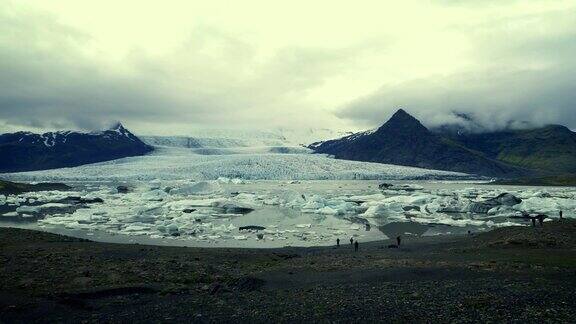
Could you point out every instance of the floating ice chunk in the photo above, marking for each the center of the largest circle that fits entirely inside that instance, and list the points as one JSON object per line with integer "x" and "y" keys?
{"x": 191, "y": 203}
{"x": 272, "y": 201}
{"x": 27, "y": 209}
{"x": 400, "y": 187}
{"x": 383, "y": 209}
{"x": 155, "y": 184}
{"x": 363, "y": 198}
{"x": 10, "y": 214}
{"x": 198, "y": 188}
{"x": 303, "y": 225}
{"x": 154, "y": 195}
{"x": 549, "y": 206}
{"x": 501, "y": 211}
{"x": 53, "y": 205}
{"x": 412, "y": 213}
{"x": 431, "y": 208}
{"x": 452, "y": 222}
{"x": 506, "y": 224}
{"x": 240, "y": 237}
{"x": 328, "y": 211}
{"x": 291, "y": 198}
{"x": 248, "y": 198}
{"x": 136, "y": 228}
{"x": 354, "y": 227}
{"x": 172, "y": 228}
{"x": 542, "y": 194}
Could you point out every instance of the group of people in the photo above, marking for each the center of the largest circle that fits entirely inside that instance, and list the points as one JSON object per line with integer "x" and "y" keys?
{"x": 540, "y": 218}
{"x": 352, "y": 242}
{"x": 356, "y": 245}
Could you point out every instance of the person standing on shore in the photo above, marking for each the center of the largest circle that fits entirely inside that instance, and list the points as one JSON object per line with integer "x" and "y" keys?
{"x": 338, "y": 242}
{"x": 540, "y": 219}
{"x": 356, "y": 246}
{"x": 398, "y": 240}
{"x": 560, "y": 214}
{"x": 351, "y": 240}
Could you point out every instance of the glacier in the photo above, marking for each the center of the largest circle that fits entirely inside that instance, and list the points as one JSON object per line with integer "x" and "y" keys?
{"x": 174, "y": 163}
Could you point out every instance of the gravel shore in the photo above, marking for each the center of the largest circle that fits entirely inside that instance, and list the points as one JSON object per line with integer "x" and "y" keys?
{"x": 507, "y": 275}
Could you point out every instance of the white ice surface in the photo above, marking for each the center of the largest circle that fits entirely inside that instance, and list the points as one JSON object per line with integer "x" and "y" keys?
{"x": 170, "y": 163}
{"x": 302, "y": 213}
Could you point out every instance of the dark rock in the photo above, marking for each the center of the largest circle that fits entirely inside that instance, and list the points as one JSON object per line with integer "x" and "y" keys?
{"x": 408, "y": 208}
{"x": 251, "y": 228}
{"x": 189, "y": 210}
{"x": 15, "y": 188}
{"x": 79, "y": 200}
{"x": 385, "y": 185}
{"x": 122, "y": 189}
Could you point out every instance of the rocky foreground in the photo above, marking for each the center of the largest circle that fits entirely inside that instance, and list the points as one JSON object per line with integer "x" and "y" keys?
{"x": 507, "y": 275}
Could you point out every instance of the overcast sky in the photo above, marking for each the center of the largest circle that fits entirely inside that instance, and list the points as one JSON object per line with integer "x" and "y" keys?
{"x": 167, "y": 66}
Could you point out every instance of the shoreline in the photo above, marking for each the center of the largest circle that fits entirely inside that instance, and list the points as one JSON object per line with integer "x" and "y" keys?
{"x": 493, "y": 276}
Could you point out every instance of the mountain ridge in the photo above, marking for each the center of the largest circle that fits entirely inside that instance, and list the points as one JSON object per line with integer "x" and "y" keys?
{"x": 27, "y": 151}
{"x": 404, "y": 140}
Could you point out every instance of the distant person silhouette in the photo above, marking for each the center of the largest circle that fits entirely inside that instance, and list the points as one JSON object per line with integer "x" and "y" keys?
{"x": 540, "y": 219}
{"x": 356, "y": 246}
{"x": 398, "y": 240}
{"x": 560, "y": 214}
{"x": 338, "y": 242}
{"x": 351, "y": 240}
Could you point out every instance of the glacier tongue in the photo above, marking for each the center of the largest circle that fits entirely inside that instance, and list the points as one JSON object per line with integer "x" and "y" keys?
{"x": 173, "y": 163}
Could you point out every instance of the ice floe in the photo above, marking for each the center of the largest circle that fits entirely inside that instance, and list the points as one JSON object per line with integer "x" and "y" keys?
{"x": 212, "y": 213}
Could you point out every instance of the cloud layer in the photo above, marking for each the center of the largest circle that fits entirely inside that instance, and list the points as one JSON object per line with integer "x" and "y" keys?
{"x": 167, "y": 68}
{"x": 523, "y": 75}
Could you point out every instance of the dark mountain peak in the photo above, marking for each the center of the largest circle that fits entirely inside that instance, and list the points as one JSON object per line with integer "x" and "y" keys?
{"x": 402, "y": 122}
{"x": 401, "y": 114}
{"x": 120, "y": 130}
{"x": 28, "y": 151}
{"x": 118, "y": 127}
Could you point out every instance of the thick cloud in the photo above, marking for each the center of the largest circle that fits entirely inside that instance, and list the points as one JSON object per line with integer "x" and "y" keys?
{"x": 51, "y": 79}
{"x": 495, "y": 99}
{"x": 66, "y": 66}
{"x": 524, "y": 75}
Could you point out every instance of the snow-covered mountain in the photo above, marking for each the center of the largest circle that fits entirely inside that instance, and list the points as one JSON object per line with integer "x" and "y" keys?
{"x": 26, "y": 151}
